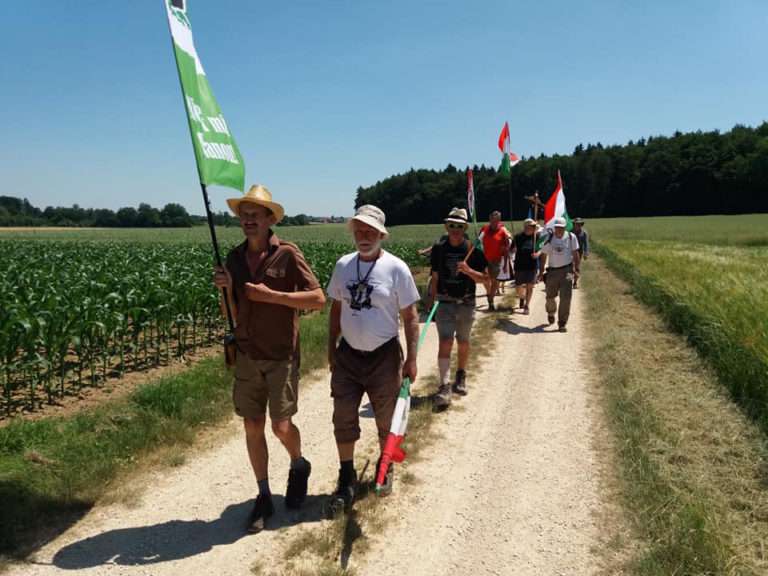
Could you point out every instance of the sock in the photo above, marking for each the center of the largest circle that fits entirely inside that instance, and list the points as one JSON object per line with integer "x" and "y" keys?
{"x": 444, "y": 366}
{"x": 299, "y": 463}
{"x": 264, "y": 487}
{"x": 347, "y": 471}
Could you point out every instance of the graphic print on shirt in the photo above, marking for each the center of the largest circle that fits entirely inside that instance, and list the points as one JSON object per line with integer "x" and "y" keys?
{"x": 359, "y": 294}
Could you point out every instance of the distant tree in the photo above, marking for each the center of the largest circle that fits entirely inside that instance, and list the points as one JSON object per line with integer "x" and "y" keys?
{"x": 175, "y": 216}
{"x": 127, "y": 217}
{"x": 147, "y": 217}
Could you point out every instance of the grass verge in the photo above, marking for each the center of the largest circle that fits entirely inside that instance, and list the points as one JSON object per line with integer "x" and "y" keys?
{"x": 737, "y": 359}
{"x": 326, "y": 550}
{"x": 692, "y": 467}
{"x": 53, "y": 470}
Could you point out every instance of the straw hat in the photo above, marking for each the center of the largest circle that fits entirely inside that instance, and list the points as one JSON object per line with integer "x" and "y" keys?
{"x": 261, "y": 196}
{"x": 371, "y": 215}
{"x": 529, "y": 221}
{"x": 458, "y": 215}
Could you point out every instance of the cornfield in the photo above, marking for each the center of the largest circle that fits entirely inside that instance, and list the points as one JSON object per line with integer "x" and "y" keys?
{"x": 75, "y": 313}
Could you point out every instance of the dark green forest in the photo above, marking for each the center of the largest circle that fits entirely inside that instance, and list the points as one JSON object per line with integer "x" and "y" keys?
{"x": 684, "y": 174}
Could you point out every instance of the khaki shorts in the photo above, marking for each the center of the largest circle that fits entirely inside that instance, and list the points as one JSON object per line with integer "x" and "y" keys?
{"x": 376, "y": 373}
{"x": 262, "y": 383}
{"x": 455, "y": 319}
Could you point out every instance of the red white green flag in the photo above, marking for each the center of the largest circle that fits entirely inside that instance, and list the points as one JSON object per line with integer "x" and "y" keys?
{"x": 555, "y": 207}
{"x": 509, "y": 158}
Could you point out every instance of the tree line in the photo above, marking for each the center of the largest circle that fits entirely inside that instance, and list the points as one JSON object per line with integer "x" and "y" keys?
{"x": 19, "y": 212}
{"x": 684, "y": 174}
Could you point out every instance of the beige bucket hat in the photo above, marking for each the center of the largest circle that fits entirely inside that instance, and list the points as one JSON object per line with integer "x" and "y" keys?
{"x": 371, "y": 215}
{"x": 257, "y": 194}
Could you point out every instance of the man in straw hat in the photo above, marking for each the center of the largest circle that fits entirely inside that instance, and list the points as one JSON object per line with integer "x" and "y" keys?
{"x": 563, "y": 253}
{"x": 456, "y": 267}
{"x": 268, "y": 281}
{"x": 371, "y": 291}
{"x": 523, "y": 248}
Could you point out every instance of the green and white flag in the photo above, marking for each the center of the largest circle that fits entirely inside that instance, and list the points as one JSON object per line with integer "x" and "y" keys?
{"x": 218, "y": 159}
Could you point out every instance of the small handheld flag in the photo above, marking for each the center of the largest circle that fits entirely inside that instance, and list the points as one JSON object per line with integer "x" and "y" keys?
{"x": 393, "y": 451}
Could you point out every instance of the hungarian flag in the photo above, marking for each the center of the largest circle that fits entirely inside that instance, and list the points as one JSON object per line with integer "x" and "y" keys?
{"x": 218, "y": 158}
{"x": 510, "y": 158}
{"x": 470, "y": 193}
{"x": 555, "y": 207}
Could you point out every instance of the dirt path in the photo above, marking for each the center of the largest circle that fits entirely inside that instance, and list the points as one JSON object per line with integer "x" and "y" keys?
{"x": 511, "y": 486}
{"x": 190, "y": 519}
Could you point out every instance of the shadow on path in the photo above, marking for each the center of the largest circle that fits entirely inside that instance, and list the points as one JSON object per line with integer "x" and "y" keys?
{"x": 513, "y": 328}
{"x": 178, "y": 539}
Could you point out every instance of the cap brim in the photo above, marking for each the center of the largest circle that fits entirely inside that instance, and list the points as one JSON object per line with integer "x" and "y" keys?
{"x": 372, "y": 222}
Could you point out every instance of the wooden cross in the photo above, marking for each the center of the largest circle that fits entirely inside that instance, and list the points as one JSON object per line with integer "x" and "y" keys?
{"x": 535, "y": 204}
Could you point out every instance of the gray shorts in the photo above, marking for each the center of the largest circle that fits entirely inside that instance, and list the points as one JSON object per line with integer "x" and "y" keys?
{"x": 494, "y": 269}
{"x": 455, "y": 319}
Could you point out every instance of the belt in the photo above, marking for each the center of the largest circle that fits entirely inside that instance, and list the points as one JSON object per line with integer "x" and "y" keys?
{"x": 365, "y": 353}
{"x": 559, "y": 267}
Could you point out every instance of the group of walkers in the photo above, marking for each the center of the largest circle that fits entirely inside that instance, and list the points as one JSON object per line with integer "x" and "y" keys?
{"x": 267, "y": 282}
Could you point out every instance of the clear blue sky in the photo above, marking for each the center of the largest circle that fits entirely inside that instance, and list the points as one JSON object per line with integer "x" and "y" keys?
{"x": 324, "y": 96}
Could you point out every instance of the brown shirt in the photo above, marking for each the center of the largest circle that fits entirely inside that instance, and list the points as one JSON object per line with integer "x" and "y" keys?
{"x": 269, "y": 331}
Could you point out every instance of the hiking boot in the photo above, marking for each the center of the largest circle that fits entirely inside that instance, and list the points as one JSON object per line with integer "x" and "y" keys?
{"x": 443, "y": 397}
{"x": 341, "y": 500}
{"x": 526, "y": 310}
{"x": 460, "y": 385}
{"x": 386, "y": 487}
{"x": 551, "y": 319}
{"x": 296, "y": 492}
{"x": 262, "y": 510}
{"x": 561, "y": 328}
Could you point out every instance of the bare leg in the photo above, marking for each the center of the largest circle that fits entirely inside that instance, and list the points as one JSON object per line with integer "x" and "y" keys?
{"x": 463, "y": 355}
{"x": 289, "y": 435}
{"x": 257, "y": 445}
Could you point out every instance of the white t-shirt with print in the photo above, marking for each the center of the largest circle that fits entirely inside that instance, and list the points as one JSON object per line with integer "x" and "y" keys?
{"x": 560, "y": 250}
{"x": 371, "y": 299}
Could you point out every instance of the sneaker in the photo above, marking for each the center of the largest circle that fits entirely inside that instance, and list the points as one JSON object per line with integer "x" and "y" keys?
{"x": 526, "y": 310}
{"x": 443, "y": 397}
{"x": 386, "y": 488}
{"x": 460, "y": 385}
{"x": 341, "y": 500}
{"x": 551, "y": 319}
{"x": 296, "y": 492}
{"x": 562, "y": 328}
{"x": 262, "y": 510}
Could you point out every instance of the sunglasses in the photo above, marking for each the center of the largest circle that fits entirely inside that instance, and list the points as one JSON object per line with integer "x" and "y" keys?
{"x": 455, "y": 226}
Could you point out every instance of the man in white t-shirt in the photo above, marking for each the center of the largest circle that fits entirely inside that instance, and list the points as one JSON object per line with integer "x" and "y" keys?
{"x": 562, "y": 251}
{"x": 371, "y": 291}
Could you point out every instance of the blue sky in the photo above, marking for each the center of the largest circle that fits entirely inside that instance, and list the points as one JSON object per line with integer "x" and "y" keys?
{"x": 325, "y": 96}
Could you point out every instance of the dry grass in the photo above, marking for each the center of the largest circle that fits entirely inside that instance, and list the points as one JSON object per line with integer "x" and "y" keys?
{"x": 693, "y": 468}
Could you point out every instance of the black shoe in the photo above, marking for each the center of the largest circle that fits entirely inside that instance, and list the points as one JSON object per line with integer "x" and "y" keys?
{"x": 522, "y": 303}
{"x": 562, "y": 328}
{"x": 296, "y": 492}
{"x": 491, "y": 307}
{"x": 341, "y": 500}
{"x": 443, "y": 398}
{"x": 551, "y": 319}
{"x": 460, "y": 385}
{"x": 386, "y": 488}
{"x": 262, "y": 510}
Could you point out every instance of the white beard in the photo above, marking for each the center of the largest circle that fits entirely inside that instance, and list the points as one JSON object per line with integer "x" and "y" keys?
{"x": 375, "y": 247}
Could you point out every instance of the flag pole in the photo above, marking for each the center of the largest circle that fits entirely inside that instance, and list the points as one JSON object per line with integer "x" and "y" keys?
{"x": 217, "y": 254}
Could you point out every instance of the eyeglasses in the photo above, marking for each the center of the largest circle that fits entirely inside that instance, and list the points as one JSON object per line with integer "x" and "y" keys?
{"x": 455, "y": 226}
